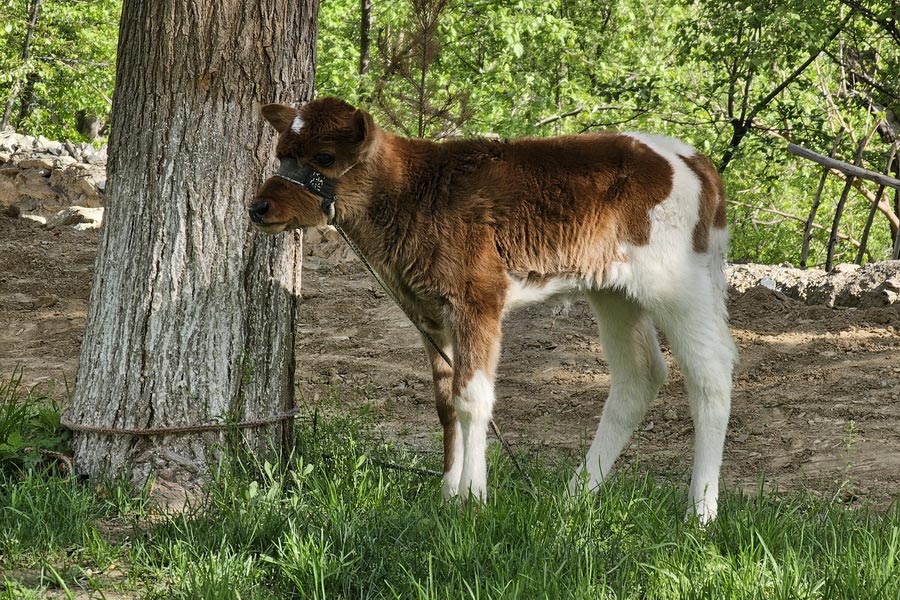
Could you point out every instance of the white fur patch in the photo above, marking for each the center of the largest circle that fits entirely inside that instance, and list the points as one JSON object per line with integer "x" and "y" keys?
{"x": 683, "y": 292}
{"x": 522, "y": 292}
{"x": 297, "y": 124}
{"x": 618, "y": 272}
{"x": 473, "y": 409}
{"x": 476, "y": 400}
{"x": 657, "y": 142}
{"x": 667, "y": 265}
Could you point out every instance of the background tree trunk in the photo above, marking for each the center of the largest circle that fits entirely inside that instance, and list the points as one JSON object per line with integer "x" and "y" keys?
{"x": 365, "y": 27}
{"x": 192, "y": 313}
{"x": 26, "y": 51}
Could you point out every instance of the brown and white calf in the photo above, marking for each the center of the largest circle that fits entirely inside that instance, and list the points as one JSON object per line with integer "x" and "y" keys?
{"x": 464, "y": 230}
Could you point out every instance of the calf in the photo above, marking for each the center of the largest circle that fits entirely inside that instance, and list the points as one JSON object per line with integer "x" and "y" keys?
{"x": 464, "y": 230}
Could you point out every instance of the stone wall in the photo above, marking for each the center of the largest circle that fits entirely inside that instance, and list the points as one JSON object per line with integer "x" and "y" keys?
{"x": 40, "y": 177}
{"x": 848, "y": 285}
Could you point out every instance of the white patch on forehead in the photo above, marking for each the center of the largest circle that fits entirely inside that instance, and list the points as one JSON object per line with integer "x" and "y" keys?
{"x": 298, "y": 124}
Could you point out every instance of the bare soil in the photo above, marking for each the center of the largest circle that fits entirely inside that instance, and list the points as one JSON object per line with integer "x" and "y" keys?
{"x": 816, "y": 394}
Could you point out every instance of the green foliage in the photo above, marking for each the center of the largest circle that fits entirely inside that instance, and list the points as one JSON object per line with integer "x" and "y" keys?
{"x": 698, "y": 69}
{"x": 70, "y": 64}
{"x": 723, "y": 75}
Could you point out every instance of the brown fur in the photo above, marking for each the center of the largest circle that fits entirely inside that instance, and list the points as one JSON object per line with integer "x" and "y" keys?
{"x": 712, "y": 200}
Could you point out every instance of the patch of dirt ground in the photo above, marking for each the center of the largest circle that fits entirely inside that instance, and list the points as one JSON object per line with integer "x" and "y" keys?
{"x": 816, "y": 393}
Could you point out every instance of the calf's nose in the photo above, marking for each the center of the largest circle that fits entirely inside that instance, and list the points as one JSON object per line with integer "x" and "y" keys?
{"x": 258, "y": 210}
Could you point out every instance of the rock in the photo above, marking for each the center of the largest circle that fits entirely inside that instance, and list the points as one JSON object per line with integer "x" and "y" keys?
{"x": 330, "y": 234}
{"x": 41, "y": 144}
{"x": 81, "y": 183}
{"x": 8, "y": 192}
{"x": 33, "y": 183}
{"x": 885, "y": 294}
{"x": 7, "y": 145}
{"x": 54, "y": 148}
{"x": 847, "y": 285}
{"x": 35, "y": 218}
{"x": 80, "y": 216}
{"x": 42, "y": 177}
{"x": 312, "y": 236}
{"x": 767, "y": 282}
{"x": 39, "y": 164}
{"x": 845, "y": 268}
{"x": 12, "y": 211}
{"x": 63, "y": 160}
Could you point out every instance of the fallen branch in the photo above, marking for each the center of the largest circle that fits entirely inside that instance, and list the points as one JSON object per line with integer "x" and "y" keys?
{"x": 843, "y": 167}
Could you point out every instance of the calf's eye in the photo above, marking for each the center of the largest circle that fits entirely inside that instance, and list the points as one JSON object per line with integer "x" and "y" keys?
{"x": 323, "y": 159}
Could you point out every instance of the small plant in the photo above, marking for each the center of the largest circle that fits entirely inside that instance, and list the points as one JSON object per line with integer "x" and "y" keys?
{"x": 30, "y": 428}
{"x": 844, "y": 493}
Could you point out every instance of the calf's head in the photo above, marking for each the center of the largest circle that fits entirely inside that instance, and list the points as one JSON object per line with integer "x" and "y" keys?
{"x": 318, "y": 145}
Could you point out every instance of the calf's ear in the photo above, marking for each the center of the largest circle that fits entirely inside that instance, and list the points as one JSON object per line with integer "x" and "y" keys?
{"x": 363, "y": 126}
{"x": 280, "y": 116}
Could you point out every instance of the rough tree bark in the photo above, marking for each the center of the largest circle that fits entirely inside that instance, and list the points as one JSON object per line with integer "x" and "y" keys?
{"x": 192, "y": 313}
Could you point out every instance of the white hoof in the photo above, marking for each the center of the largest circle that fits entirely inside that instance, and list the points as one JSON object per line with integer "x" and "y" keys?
{"x": 450, "y": 487}
{"x": 703, "y": 510}
{"x": 583, "y": 482}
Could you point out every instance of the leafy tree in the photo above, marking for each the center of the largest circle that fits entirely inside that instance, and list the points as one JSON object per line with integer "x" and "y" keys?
{"x": 736, "y": 78}
{"x": 69, "y": 68}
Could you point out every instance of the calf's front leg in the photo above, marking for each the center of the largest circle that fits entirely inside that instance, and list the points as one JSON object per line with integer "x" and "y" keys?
{"x": 442, "y": 376}
{"x": 477, "y": 348}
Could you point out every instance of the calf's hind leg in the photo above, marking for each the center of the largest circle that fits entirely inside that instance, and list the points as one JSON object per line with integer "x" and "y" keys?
{"x": 697, "y": 332}
{"x": 637, "y": 370}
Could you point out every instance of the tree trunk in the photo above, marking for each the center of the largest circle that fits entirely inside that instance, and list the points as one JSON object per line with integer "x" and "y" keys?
{"x": 365, "y": 26}
{"x": 26, "y": 51}
{"x": 191, "y": 317}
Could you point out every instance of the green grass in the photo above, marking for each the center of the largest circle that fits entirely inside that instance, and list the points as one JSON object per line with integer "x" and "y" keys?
{"x": 332, "y": 524}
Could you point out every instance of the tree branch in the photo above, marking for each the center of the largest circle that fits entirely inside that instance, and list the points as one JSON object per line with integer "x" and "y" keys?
{"x": 780, "y": 213}
{"x": 799, "y": 70}
{"x": 555, "y": 118}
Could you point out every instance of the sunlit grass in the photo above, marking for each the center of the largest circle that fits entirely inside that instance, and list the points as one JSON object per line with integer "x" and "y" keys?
{"x": 333, "y": 524}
